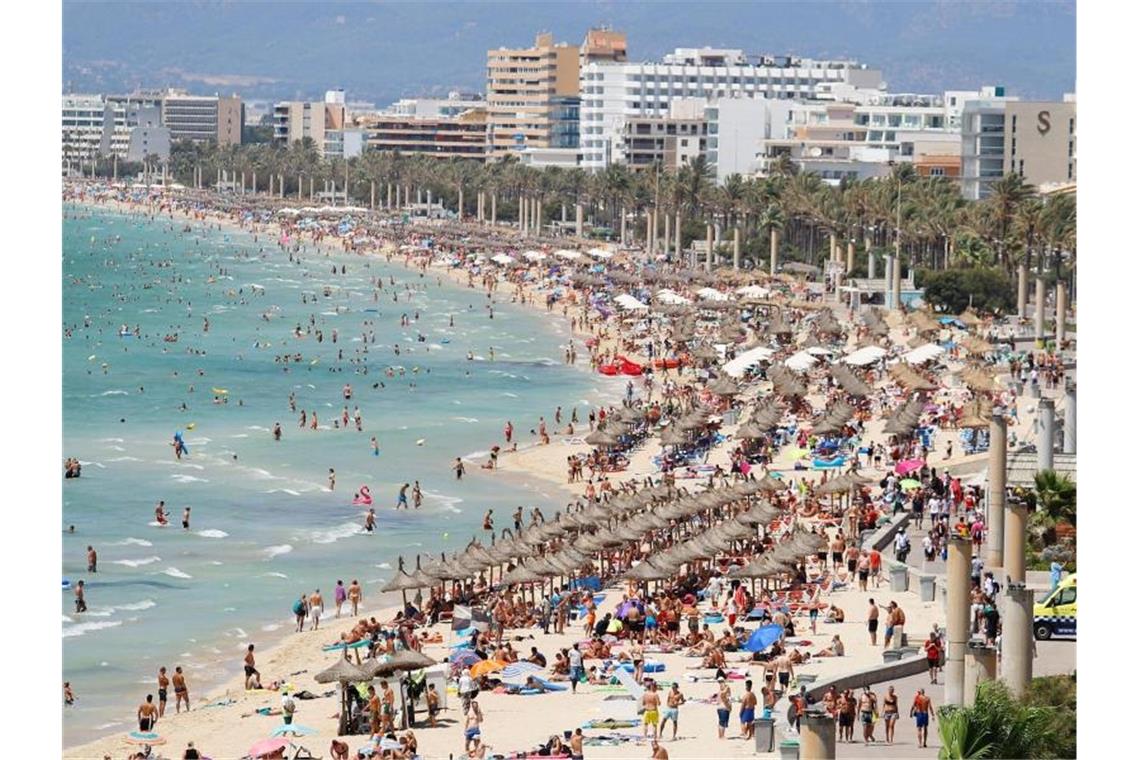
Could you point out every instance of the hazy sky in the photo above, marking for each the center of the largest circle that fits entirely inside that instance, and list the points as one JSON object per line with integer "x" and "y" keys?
{"x": 380, "y": 51}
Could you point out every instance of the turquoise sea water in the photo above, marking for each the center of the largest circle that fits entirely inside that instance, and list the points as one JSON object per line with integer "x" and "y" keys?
{"x": 264, "y": 527}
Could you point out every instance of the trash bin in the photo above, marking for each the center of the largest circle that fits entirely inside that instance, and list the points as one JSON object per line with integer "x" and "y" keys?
{"x": 898, "y": 577}
{"x": 926, "y": 588}
{"x": 790, "y": 749}
{"x": 766, "y": 735}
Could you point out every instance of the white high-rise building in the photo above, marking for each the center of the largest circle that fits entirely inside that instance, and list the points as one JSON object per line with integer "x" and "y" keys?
{"x": 612, "y": 92}
{"x": 82, "y": 127}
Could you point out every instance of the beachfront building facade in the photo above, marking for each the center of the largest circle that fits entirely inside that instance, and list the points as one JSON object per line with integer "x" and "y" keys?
{"x": 1036, "y": 140}
{"x": 454, "y": 104}
{"x": 296, "y": 120}
{"x": 614, "y": 92}
{"x": 666, "y": 142}
{"x": 533, "y": 93}
{"x": 460, "y": 136}
{"x": 198, "y": 118}
{"x": 522, "y": 84}
{"x": 82, "y": 123}
{"x": 843, "y": 140}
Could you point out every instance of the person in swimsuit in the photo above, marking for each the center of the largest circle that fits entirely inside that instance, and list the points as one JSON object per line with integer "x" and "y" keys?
{"x": 92, "y": 559}
{"x": 339, "y": 596}
{"x": 251, "y": 674}
{"x": 316, "y": 607}
{"x": 922, "y": 711}
{"x": 723, "y": 706}
{"x": 181, "y": 692}
{"x": 867, "y": 705}
{"x": 489, "y": 521}
{"x": 673, "y": 701}
{"x": 186, "y": 519}
{"x": 432, "y": 704}
{"x": 354, "y": 595}
{"x": 370, "y": 520}
{"x": 147, "y": 715}
{"x": 402, "y": 497}
{"x": 163, "y": 683}
{"x": 576, "y": 742}
{"x": 747, "y": 711}
{"x": 80, "y": 601}
{"x": 650, "y": 701}
{"x": 873, "y": 622}
{"x": 417, "y": 495}
{"x": 890, "y": 713}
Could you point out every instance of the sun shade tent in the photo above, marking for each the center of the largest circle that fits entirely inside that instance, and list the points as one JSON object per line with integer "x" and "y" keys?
{"x": 923, "y": 354}
{"x": 800, "y": 361}
{"x": 629, "y": 303}
{"x": 600, "y": 253}
{"x": 746, "y": 360}
{"x": 667, "y": 296}
{"x": 850, "y": 382}
{"x": 502, "y": 258}
{"x": 534, "y": 255}
{"x": 864, "y": 356}
{"x": 753, "y": 291}
{"x": 909, "y": 379}
{"x": 565, "y": 253}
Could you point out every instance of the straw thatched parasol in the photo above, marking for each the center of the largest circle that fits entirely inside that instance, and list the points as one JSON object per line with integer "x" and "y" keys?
{"x": 342, "y": 672}
{"x": 724, "y": 386}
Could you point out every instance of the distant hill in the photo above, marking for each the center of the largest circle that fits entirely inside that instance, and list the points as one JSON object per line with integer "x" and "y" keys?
{"x": 380, "y": 51}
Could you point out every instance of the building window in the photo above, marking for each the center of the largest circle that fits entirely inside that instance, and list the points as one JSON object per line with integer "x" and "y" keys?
{"x": 1013, "y": 128}
{"x": 937, "y": 171}
{"x": 1013, "y": 147}
{"x": 1072, "y": 125}
{"x": 1070, "y": 148}
{"x": 1070, "y": 171}
{"x": 1021, "y": 167}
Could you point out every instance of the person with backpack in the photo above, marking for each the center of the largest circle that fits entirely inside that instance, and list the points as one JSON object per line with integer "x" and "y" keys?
{"x": 301, "y": 611}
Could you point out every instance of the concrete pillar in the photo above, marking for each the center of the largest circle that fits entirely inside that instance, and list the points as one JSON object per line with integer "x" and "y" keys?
{"x": 1022, "y": 291}
{"x": 1039, "y": 314}
{"x": 372, "y": 194}
{"x": 736, "y": 247}
{"x": 981, "y": 666}
{"x": 1069, "y": 445}
{"x": 1046, "y": 432}
{"x": 1017, "y": 639}
{"x": 850, "y": 256}
{"x": 479, "y": 207}
{"x": 1016, "y": 521}
{"x": 677, "y": 232}
{"x": 995, "y": 498}
{"x": 389, "y": 204}
{"x": 888, "y": 279}
{"x": 538, "y": 216}
{"x": 833, "y": 247}
{"x": 242, "y": 183}
{"x": 407, "y": 195}
{"x": 218, "y": 181}
{"x": 578, "y": 218}
{"x": 624, "y": 239}
{"x": 817, "y": 737}
{"x": 957, "y": 617}
{"x": 270, "y": 185}
{"x": 870, "y": 264}
{"x": 708, "y": 247}
{"x": 1062, "y": 307}
{"x": 773, "y": 250}
{"x": 494, "y": 214}
{"x": 564, "y": 213}
{"x": 668, "y": 238}
{"x": 896, "y": 280}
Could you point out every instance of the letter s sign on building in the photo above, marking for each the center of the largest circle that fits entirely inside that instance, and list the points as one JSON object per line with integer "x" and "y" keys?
{"x": 1043, "y": 125}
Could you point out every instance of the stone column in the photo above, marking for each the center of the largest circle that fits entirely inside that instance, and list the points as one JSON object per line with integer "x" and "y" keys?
{"x": 677, "y": 232}
{"x": 398, "y": 197}
{"x": 1022, "y": 291}
{"x": 1039, "y": 314}
{"x": 624, "y": 239}
{"x": 312, "y": 183}
{"x": 538, "y": 216}
{"x": 850, "y": 256}
{"x": 1017, "y": 639}
{"x": 957, "y": 617}
{"x": 817, "y": 737}
{"x": 564, "y": 213}
{"x": 995, "y": 498}
{"x": 668, "y": 238}
{"x": 736, "y": 247}
{"x": 870, "y": 264}
{"x": 773, "y": 250}
{"x": 1046, "y": 430}
{"x": 578, "y": 219}
{"x": 1062, "y": 307}
{"x": 255, "y": 183}
{"x": 1016, "y": 520}
{"x": 888, "y": 279}
{"x": 708, "y": 247}
{"x": 896, "y": 299}
{"x": 242, "y": 183}
{"x": 494, "y": 213}
{"x": 981, "y": 666}
{"x": 1069, "y": 445}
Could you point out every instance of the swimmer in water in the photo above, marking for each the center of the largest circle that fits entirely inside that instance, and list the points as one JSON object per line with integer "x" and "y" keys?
{"x": 375, "y": 446}
{"x": 370, "y": 521}
{"x": 160, "y": 513}
{"x": 186, "y": 519}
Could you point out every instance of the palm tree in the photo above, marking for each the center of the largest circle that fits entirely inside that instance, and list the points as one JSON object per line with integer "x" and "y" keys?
{"x": 998, "y": 726}
{"x": 1007, "y": 194}
{"x": 1056, "y": 496}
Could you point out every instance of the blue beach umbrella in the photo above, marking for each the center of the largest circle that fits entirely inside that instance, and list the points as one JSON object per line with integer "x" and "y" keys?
{"x": 763, "y": 637}
{"x": 294, "y": 729}
{"x": 520, "y": 670}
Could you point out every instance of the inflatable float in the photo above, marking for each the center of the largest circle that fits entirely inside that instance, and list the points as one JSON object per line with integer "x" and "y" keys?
{"x": 363, "y": 498}
{"x": 670, "y": 363}
{"x": 609, "y": 369}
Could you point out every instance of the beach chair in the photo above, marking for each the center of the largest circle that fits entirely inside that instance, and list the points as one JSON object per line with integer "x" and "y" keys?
{"x": 301, "y": 753}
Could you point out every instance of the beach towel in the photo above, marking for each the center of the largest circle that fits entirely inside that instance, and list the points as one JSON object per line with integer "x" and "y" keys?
{"x": 609, "y": 723}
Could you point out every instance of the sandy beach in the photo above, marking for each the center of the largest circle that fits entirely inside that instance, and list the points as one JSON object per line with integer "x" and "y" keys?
{"x": 224, "y": 723}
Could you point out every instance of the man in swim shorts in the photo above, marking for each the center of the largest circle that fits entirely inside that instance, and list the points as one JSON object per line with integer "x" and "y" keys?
{"x": 163, "y": 683}
{"x": 650, "y": 701}
{"x": 747, "y": 711}
{"x": 316, "y": 607}
{"x": 867, "y": 706}
{"x": 147, "y": 714}
{"x": 181, "y": 692}
{"x": 723, "y": 706}
{"x": 673, "y": 701}
{"x": 921, "y": 710}
{"x": 92, "y": 559}
{"x": 186, "y": 519}
{"x": 402, "y": 497}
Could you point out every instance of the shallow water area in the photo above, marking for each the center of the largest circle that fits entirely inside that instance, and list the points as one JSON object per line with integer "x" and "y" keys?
{"x": 264, "y": 525}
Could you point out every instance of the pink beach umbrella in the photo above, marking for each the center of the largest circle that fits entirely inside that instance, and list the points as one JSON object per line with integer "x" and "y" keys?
{"x": 267, "y": 747}
{"x": 907, "y": 466}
